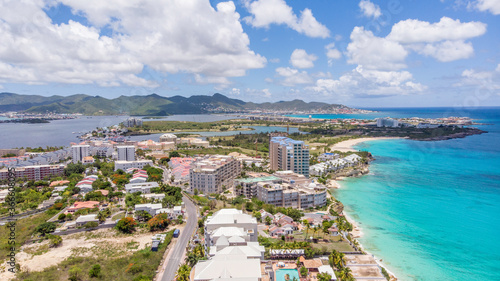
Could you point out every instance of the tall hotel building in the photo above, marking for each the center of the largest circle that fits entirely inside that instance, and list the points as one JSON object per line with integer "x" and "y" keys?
{"x": 126, "y": 153}
{"x": 209, "y": 175}
{"x": 289, "y": 155}
{"x": 79, "y": 152}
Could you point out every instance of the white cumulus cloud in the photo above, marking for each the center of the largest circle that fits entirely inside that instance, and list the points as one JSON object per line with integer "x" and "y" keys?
{"x": 332, "y": 53}
{"x": 416, "y": 31}
{"x": 188, "y": 36}
{"x": 365, "y": 82}
{"x": 489, "y": 80}
{"x": 256, "y": 93}
{"x": 369, "y": 9}
{"x": 267, "y": 12}
{"x": 293, "y": 77}
{"x": 301, "y": 59}
{"x": 443, "y": 40}
{"x": 374, "y": 52}
{"x": 493, "y": 6}
{"x": 447, "y": 50}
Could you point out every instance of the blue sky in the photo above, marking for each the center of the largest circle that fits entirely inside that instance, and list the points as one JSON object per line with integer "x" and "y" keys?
{"x": 365, "y": 53}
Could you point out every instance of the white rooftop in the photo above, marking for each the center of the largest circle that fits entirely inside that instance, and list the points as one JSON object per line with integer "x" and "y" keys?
{"x": 248, "y": 251}
{"x": 231, "y": 216}
{"x": 149, "y": 205}
{"x": 236, "y": 239}
{"x": 229, "y": 231}
{"x": 234, "y": 267}
{"x": 87, "y": 218}
{"x": 327, "y": 269}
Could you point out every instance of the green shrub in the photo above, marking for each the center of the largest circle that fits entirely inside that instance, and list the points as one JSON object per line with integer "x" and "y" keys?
{"x": 75, "y": 273}
{"x": 91, "y": 224}
{"x": 55, "y": 240}
{"x": 46, "y": 227}
{"x": 95, "y": 271}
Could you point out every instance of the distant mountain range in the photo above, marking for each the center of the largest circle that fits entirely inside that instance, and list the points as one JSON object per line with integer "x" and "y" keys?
{"x": 154, "y": 105}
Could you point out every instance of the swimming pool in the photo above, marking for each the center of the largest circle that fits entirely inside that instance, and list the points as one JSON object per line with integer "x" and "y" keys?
{"x": 280, "y": 274}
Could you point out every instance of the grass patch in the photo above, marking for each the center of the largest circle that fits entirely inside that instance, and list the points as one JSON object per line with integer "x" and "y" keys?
{"x": 24, "y": 230}
{"x": 140, "y": 265}
{"x": 118, "y": 217}
{"x": 37, "y": 250}
{"x": 132, "y": 245}
{"x": 334, "y": 242}
{"x": 340, "y": 246}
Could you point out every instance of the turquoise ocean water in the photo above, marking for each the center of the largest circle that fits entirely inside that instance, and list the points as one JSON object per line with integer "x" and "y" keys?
{"x": 431, "y": 210}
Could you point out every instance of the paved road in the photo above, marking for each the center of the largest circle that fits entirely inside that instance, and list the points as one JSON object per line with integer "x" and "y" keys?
{"x": 174, "y": 261}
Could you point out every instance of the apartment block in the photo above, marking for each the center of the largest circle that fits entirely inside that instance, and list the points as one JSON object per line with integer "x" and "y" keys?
{"x": 38, "y": 172}
{"x": 211, "y": 174}
{"x": 248, "y": 187}
{"x": 79, "y": 152}
{"x": 132, "y": 122}
{"x": 287, "y": 154}
{"x": 387, "y": 122}
{"x": 126, "y": 153}
{"x": 230, "y": 219}
{"x": 139, "y": 164}
{"x": 143, "y": 187}
{"x": 291, "y": 194}
{"x": 232, "y": 249}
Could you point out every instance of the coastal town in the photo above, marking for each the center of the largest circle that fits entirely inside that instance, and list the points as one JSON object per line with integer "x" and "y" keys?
{"x": 251, "y": 140}
{"x": 237, "y": 212}
{"x": 210, "y": 211}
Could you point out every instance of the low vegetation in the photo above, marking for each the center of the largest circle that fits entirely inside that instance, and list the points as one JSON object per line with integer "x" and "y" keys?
{"x": 24, "y": 231}
{"x": 141, "y": 265}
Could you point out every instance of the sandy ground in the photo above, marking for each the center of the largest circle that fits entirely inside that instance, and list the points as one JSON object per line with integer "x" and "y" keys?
{"x": 356, "y": 230}
{"x": 333, "y": 184}
{"x": 75, "y": 244}
{"x": 346, "y": 146}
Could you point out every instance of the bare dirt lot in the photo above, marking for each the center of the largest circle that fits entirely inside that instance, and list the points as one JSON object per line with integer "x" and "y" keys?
{"x": 106, "y": 242}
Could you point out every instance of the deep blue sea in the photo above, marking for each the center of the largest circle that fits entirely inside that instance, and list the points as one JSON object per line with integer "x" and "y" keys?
{"x": 431, "y": 210}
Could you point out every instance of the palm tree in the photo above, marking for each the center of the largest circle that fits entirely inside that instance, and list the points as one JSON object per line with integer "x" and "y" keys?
{"x": 101, "y": 216}
{"x": 324, "y": 277}
{"x": 325, "y": 230}
{"x": 331, "y": 258}
{"x": 306, "y": 223}
{"x": 191, "y": 259}
{"x": 183, "y": 273}
{"x": 315, "y": 229}
{"x": 345, "y": 274}
{"x": 341, "y": 260}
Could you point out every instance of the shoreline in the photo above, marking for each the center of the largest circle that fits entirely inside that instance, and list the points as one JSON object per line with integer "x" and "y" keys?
{"x": 357, "y": 232}
{"x": 347, "y": 145}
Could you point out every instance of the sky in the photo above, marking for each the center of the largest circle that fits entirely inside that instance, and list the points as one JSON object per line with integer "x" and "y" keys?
{"x": 367, "y": 53}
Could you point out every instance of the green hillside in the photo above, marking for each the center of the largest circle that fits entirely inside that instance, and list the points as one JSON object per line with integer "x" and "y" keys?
{"x": 150, "y": 105}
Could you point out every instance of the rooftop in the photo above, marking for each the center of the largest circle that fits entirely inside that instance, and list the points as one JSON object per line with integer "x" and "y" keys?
{"x": 221, "y": 267}
{"x": 87, "y": 218}
{"x": 252, "y": 180}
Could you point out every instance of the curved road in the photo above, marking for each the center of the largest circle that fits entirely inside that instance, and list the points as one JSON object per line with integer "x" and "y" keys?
{"x": 174, "y": 261}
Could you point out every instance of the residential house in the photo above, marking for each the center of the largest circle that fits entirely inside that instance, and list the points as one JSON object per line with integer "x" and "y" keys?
{"x": 82, "y": 205}
{"x": 82, "y": 220}
{"x": 144, "y": 187}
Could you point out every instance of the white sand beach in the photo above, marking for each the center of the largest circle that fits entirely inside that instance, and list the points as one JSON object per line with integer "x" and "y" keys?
{"x": 346, "y": 146}
{"x": 356, "y": 232}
